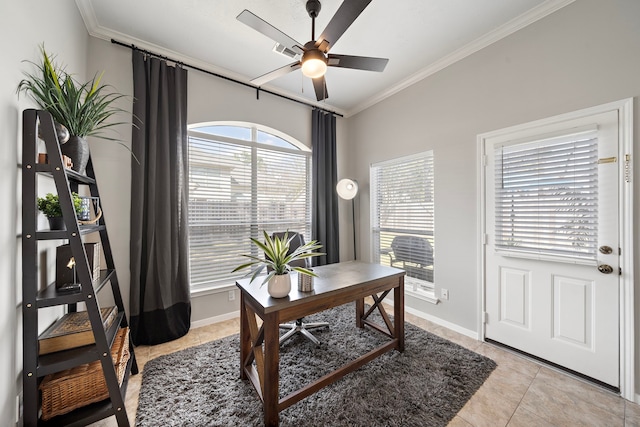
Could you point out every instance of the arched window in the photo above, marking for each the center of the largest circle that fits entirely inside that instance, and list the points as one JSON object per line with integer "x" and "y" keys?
{"x": 243, "y": 178}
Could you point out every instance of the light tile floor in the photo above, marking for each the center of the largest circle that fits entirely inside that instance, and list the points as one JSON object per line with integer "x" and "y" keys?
{"x": 518, "y": 393}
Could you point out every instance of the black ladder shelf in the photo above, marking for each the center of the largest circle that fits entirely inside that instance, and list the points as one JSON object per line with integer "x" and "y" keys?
{"x": 36, "y": 295}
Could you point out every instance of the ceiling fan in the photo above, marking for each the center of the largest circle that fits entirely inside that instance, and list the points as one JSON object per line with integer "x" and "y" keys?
{"x": 315, "y": 56}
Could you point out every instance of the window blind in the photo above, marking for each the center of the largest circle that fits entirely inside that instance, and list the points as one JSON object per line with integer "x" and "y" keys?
{"x": 402, "y": 207}
{"x": 547, "y": 197}
{"x": 237, "y": 189}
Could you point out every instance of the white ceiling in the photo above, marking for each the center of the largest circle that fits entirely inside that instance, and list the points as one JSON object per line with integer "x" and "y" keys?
{"x": 419, "y": 37}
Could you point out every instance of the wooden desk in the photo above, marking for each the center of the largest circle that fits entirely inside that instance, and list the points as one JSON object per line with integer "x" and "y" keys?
{"x": 335, "y": 285}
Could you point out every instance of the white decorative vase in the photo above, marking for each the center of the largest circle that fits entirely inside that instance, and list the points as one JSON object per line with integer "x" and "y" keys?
{"x": 279, "y": 285}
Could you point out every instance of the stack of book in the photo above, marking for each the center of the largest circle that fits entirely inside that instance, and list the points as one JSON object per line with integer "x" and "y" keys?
{"x": 73, "y": 330}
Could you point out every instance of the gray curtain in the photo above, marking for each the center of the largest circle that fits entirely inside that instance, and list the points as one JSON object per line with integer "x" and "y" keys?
{"x": 324, "y": 221}
{"x": 160, "y": 297}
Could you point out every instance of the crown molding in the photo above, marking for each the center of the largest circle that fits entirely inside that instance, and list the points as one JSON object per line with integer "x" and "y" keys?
{"x": 528, "y": 18}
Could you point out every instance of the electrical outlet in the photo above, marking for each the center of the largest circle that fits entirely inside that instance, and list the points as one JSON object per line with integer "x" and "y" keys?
{"x": 444, "y": 293}
{"x": 232, "y": 295}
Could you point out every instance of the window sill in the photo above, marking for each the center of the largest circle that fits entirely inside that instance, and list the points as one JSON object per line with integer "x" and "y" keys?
{"x": 214, "y": 289}
{"x": 424, "y": 296}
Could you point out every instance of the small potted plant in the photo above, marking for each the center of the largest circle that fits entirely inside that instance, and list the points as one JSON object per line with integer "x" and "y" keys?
{"x": 50, "y": 207}
{"x": 277, "y": 260}
{"x": 82, "y": 108}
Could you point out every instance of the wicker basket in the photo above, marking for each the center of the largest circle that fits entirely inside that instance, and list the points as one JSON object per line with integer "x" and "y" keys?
{"x": 65, "y": 391}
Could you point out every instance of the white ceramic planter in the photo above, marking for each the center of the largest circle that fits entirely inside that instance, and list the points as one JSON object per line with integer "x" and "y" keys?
{"x": 279, "y": 285}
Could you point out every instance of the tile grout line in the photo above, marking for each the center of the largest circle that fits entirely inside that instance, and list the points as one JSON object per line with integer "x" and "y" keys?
{"x": 523, "y": 395}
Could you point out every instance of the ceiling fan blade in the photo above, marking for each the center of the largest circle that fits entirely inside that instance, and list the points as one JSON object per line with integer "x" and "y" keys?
{"x": 358, "y": 62}
{"x": 259, "y": 81}
{"x": 320, "y": 86}
{"x": 348, "y": 11}
{"x": 269, "y": 30}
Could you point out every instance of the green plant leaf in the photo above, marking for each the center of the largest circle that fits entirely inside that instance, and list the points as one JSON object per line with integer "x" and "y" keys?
{"x": 50, "y": 204}
{"x": 85, "y": 109}
{"x": 305, "y": 271}
{"x": 275, "y": 256}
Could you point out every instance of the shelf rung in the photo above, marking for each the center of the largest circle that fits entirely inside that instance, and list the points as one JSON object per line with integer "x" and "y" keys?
{"x": 82, "y": 416}
{"x": 72, "y": 175}
{"x": 61, "y": 360}
{"x": 92, "y": 412}
{"x": 50, "y": 296}
{"x": 65, "y": 234}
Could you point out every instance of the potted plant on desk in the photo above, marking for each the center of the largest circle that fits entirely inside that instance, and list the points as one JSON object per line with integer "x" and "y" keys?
{"x": 277, "y": 260}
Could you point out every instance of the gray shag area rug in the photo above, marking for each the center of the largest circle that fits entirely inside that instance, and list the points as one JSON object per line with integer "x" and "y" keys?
{"x": 426, "y": 385}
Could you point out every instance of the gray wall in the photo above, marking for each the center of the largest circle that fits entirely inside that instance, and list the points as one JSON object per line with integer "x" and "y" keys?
{"x": 585, "y": 54}
{"x": 23, "y": 26}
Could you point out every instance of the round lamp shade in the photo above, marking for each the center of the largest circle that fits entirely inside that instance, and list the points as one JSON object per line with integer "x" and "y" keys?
{"x": 347, "y": 188}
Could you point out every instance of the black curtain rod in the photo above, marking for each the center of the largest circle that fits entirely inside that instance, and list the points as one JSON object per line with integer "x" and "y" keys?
{"x": 258, "y": 88}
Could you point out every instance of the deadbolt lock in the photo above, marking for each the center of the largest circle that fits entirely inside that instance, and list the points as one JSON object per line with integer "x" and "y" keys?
{"x": 605, "y": 250}
{"x": 605, "y": 269}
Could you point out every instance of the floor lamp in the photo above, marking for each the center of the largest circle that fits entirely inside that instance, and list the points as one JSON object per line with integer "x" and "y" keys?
{"x": 347, "y": 190}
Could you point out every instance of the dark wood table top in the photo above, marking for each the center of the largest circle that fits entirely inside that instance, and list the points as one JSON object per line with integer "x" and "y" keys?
{"x": 332, "y": 280}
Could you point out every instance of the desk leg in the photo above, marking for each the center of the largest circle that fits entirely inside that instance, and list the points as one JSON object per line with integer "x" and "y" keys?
{"x": 245, "y": 336}
{"x": 271, "y": 374}
{"x": 359, "y": 312}
{"x": 398, "y": 312}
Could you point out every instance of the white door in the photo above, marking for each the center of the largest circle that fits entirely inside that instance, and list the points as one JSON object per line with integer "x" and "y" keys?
{"x": 552, "y": 224}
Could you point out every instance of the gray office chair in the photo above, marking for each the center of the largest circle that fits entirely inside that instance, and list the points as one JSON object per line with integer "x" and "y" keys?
{"x": 299, "y": 326}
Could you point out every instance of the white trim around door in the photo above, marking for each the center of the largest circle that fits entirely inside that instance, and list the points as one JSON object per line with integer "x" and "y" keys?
{"x": 624, "y": 110}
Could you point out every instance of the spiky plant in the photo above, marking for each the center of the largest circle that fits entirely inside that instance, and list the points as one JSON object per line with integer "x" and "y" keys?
{"x": 276, "y": 256}
{"x": 83, "y": 108}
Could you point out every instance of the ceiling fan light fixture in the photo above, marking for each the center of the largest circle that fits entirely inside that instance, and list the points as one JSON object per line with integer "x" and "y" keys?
{"x": 314, "y": 55}
{"x": 314, "y": 63}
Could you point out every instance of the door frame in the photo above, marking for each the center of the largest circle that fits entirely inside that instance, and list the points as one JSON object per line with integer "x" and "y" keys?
{"x": 624, "y": 108}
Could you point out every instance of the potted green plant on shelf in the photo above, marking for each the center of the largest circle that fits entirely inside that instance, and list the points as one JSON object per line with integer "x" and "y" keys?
{"x": 82, "y": 108}
{"x": 50, "y": 207}
{"x": 277, "y": 260}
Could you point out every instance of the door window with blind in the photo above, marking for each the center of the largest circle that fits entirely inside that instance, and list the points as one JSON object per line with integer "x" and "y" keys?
{"x": 243, "y": 179}
{"x": 546, "y": 197}
{"x": 402, "y": 223}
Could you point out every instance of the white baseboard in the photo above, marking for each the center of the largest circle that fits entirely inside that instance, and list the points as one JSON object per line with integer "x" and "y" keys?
{"x": 215, "y": 319}
{"x": 438, "y": 321}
